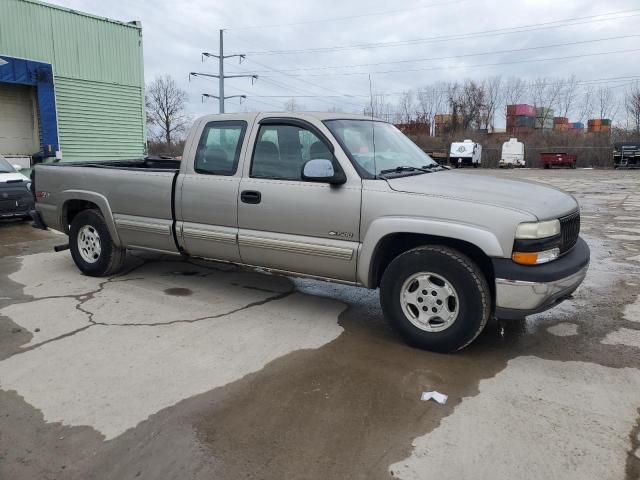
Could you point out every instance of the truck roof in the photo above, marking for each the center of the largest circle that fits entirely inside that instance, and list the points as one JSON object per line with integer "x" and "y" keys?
{"x": 249, "y": 116}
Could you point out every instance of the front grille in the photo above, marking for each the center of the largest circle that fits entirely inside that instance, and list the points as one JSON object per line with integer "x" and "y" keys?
{"x": 11, "y": 195}
{"x": 569, "y": 231}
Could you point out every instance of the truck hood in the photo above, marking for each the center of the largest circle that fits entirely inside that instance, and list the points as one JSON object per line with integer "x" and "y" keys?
{"x": 540, "y": 200}
{"x": 8, "y": 177}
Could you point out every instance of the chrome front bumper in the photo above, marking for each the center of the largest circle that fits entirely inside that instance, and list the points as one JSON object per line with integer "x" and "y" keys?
{"x": 521, "y": 292}
{"x": 517, "y": 298}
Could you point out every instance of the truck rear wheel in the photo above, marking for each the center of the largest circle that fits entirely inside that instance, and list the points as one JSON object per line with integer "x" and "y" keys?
{"x": 436, "y": 298}
{"x": 92, "y": 247}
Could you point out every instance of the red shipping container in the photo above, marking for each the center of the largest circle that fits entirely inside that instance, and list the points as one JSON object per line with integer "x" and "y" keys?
{"x": 560, "y": 120}
{"x": 521, "y": 110}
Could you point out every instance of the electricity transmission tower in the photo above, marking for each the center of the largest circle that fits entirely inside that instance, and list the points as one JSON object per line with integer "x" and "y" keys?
{"x": 221, "y": 76}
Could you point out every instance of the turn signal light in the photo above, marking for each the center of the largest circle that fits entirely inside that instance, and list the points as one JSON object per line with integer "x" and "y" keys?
{"x": 535, "y": 258}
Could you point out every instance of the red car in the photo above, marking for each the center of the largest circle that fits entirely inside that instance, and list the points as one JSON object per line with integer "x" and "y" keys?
{"x": 549, "y": 160}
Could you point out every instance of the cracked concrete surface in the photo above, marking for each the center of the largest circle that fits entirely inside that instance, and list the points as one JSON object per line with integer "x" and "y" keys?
{"x": 237, "y": 322}
{"x": 196, "y": 370}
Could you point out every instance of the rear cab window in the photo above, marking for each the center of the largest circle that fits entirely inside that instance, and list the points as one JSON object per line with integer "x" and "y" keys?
{"x": 219, "y": 147}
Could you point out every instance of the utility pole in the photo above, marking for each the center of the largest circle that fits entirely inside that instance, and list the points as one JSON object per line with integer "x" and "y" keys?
{"x": 221, "y": 76}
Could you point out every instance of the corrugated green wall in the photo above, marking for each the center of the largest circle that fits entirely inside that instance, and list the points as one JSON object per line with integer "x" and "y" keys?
{"x": 99, "y": 75}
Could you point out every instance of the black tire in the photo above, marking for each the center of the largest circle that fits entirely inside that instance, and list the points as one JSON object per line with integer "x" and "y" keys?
{"x": 474, "y": 297}
{"x": 110, "y": 258}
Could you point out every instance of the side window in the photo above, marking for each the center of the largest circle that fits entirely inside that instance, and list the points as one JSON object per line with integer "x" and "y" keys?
{"x": 282, "y": 150}
{"x": 219, "y": 148}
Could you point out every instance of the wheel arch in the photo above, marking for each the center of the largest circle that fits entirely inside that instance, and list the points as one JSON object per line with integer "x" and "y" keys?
{"x": 76, "y": 201}
{"x": 385, "y": 242}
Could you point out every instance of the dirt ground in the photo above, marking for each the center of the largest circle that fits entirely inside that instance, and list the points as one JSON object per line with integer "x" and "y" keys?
{"x": 196, "y": 370}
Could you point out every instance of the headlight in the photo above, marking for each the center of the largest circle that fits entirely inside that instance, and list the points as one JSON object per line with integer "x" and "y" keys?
{"x": 537, "y": 242}
{"x": 537, "y": 230}
{"x": 28, "y": 185}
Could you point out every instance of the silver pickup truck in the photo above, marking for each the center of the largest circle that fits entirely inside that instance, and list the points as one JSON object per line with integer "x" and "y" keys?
{"x": 338, "y": 197}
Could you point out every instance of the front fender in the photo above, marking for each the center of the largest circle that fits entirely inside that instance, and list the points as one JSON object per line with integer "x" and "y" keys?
{"x": 93, "y": 197}
{"x": 382, "y": 227}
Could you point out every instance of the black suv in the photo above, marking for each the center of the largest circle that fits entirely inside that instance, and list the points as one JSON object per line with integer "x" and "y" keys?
{"x": 16, "y": 199}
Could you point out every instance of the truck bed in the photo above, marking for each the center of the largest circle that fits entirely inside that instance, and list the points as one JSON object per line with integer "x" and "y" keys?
{"x": 137, "y": 197}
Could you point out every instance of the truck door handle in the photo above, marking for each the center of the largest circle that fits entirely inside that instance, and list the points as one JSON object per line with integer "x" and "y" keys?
{"x": 250, "y": 196}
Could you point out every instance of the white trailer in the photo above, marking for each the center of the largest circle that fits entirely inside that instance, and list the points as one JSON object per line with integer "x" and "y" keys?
{"x": 465, "y": 153}
{"x": 512, "y": 154}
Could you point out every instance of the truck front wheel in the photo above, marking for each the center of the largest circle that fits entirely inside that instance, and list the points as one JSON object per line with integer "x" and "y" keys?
{"x": 436, "y": 297}
{"x": 92, "y": 247}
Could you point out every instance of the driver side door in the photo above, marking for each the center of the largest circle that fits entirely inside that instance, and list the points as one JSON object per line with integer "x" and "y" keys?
{"x": 289, "y": 224}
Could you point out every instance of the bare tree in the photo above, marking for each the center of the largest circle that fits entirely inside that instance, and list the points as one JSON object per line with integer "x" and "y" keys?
{"x": 586, "y": 105}
{"x": 514, "y": 90}
{"x": 467, "y": 104}
{"x": 379, "y": 107}
{"x": 292, "y": 105}
{"x": 632, "y": 105}
{"x": 568, "y": 96}
{"x": 493, "y": 98}
{"x": 431, "y": 100}
{"x": 165, "y": 103}
{"x": 545, "y": 93}
{"x": 406, "y": 106}
{"x": 605, "y": 100}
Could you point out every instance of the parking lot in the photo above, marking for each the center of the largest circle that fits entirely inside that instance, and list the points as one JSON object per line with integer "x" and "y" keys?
{"x": 179, "y": 369}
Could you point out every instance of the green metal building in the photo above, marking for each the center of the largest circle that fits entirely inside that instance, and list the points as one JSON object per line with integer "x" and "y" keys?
{"x": 71, "y": 84}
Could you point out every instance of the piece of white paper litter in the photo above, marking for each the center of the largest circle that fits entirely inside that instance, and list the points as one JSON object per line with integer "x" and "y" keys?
{"x": 441, "y": 398}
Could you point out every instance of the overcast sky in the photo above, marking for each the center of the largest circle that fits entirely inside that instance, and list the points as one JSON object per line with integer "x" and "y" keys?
{"x": 177, "y": 31}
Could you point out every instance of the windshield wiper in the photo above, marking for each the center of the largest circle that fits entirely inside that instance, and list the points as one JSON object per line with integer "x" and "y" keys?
{"x": 404, "y": 168}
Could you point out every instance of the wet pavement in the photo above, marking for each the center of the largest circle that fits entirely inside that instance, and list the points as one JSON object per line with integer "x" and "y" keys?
{"x": 199, "y": 370}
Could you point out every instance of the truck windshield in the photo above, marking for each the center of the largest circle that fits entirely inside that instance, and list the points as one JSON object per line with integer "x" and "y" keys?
{"x": 6, "y": 167}
{"x": 378, "y": 146}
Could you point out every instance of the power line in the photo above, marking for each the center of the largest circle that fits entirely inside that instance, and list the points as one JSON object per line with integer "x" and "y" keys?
{"x": 462, "y": 36}
{"x": 526, "y": 87}
{"x": 301, "y": 80}
{"x": 466, "y": 55}
{"x": 350, "y": 17}
{"x": 382, "y": 72}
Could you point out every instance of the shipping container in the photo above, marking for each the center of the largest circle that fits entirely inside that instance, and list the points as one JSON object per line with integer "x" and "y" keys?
{"x": 544, "y": 112}
{"x": 544, "y": 123}
{"x": 560, "y": 120}
{"x": 522, "y": 110}
{"x": 576, "y": 126}
{"x": 520, "y": 121}
{"x": 561, "y": 127}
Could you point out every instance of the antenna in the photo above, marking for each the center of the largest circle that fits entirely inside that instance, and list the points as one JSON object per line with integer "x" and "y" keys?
{"x": 373, "y": 129}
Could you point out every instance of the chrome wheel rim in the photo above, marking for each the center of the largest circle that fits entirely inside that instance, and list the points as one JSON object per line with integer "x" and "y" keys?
{"x": 89, "y": 244}
{"x": 429, "y": 301}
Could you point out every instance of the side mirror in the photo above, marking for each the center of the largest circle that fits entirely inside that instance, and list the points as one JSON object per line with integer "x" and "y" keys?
{"x": 321, "y": 170}
{"x": 17, "y": 168}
